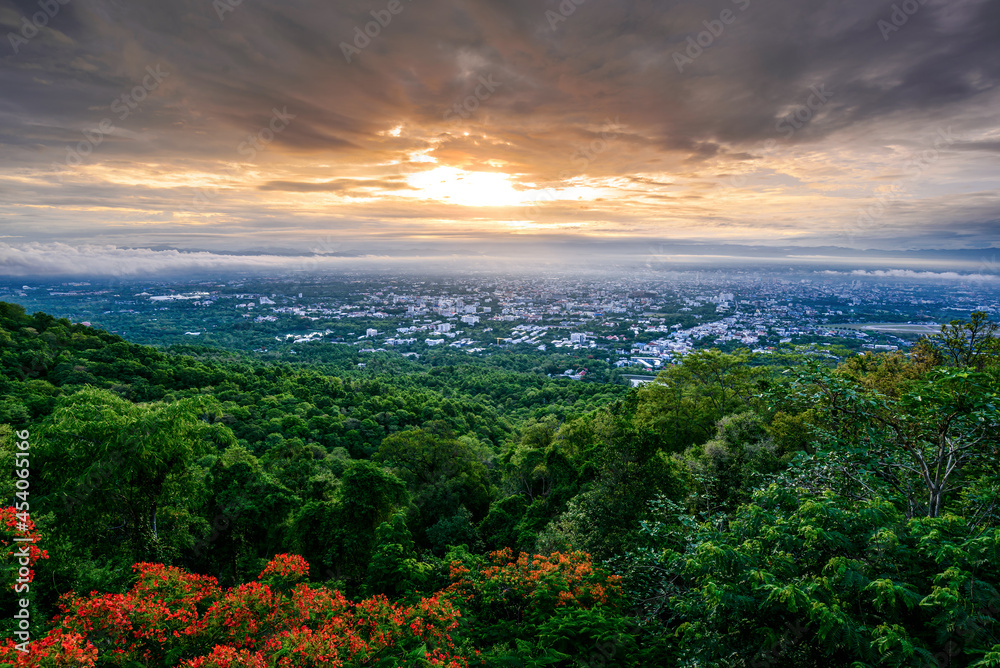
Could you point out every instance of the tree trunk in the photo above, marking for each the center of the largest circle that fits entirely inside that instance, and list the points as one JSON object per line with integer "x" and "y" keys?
{"x": 934, "y": 503}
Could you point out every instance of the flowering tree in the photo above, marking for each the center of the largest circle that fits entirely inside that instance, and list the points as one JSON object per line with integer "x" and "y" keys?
{"x": 10, "y": 548}
{"x": 19, "y": 552}
{"x": 532, "y": 587}
{"x": 173, "y": 618}
{"x": 170, "y": 617}
{"x": 553, "y": 610}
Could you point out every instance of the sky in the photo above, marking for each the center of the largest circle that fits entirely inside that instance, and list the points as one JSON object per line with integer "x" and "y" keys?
{"x": 155, "y": 134}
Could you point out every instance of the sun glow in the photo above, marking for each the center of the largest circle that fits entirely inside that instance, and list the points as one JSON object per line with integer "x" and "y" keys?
{"x": 457, "y": 186}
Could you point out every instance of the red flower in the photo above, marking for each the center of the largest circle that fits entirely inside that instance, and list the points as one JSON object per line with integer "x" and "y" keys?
{"x": 169, "y": 612}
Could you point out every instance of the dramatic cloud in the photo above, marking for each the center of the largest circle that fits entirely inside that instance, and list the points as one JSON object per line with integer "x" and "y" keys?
{"x": 109, "y": 261}
{"x": 207, "y": 124}
{"x": 548, "y": 252}
{"x": 920, "y": 275}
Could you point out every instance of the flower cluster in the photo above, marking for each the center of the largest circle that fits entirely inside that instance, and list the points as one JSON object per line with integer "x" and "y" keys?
{"x": 535, "y": 585}
{"x": 9, "y": 563}
{"x": 285, "y": 566}
{"x": 174, "y": 618}
{"x": 223, "y": 656}
{"x": 59, "y": 648}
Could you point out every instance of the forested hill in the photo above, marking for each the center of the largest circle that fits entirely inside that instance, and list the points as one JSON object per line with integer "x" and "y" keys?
{"x": 210, "y": 510}
{"x": 44, "y": 358}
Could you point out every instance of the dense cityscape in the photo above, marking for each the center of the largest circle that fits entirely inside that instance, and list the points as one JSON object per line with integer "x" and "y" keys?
{"x": 637, "y": 324}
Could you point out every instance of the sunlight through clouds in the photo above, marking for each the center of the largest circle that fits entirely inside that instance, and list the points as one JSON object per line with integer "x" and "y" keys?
{"x": 480, "y": 112}
{"x": 457, "y": 186}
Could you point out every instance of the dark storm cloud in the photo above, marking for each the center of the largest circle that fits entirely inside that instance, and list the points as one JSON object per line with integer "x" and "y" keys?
{"x": 611, "y": 59}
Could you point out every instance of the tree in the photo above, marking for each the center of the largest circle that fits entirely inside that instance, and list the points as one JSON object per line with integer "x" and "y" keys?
{"x": 394, "y": 569}
{"x": 922, "y": 444}
{"x": 888, "y": 373}
{"x": 442, "y": 474}
{"x": 243, "y": 515}
{"x": 969, "y": 344}
{"x": 369, "y": 496}
{"x": 686, "y": 400}
{"x": 727, "y": 469}
{"x": 513, "y": 597}
{"x": 107, "y": 463}
{"x": 628, "y": 465}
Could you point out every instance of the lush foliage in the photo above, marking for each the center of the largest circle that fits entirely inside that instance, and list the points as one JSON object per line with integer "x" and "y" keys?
{"x": 820, "y": 580}
{"x": 204, "y": 510}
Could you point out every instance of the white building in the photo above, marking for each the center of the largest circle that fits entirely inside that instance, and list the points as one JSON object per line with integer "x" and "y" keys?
{"x": 371, "y": 333}
{"x": 577, "y": 338}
